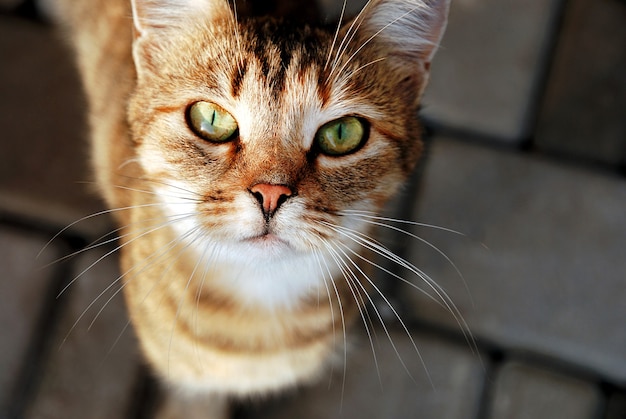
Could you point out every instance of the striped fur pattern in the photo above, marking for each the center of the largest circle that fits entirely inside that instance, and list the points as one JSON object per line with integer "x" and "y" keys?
{"x": 224, "y": 298}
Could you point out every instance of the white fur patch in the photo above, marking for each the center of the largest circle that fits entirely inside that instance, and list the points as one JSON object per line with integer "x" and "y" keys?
{"x": 270, "y": 273}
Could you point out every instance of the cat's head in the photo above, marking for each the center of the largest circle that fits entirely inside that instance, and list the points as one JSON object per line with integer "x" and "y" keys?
{"x": 263, "y": 141}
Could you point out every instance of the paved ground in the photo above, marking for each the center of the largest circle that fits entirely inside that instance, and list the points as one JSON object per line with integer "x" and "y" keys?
{"x": 527, "y": 159}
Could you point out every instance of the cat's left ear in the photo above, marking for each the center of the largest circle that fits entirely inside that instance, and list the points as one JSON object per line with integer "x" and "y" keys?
{"x": 407, "y": 31}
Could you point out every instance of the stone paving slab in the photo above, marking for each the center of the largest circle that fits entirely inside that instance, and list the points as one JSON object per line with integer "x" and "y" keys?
{"x": 583, "y": 113}
{"x": 523, "y": 392}
{"x": 616, "y": 406}
{"x": 43, "y": 150}
{"x": 89, "y": 375}
{"x": 486, "y": 73}
{"x": 552, "y": 278}
{"x": 24, "y": 290}
{"x": 454, "y": 393}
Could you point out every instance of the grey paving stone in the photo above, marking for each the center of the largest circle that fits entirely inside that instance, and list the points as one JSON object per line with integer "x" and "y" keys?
{"x": 543, "y": 257}
{"x": 457, "y": 382}
{"x": 485, "y": 74}
{"x": 89, "y": 375}
{"x": 616, "y": 406}
{"x": 523, "y": 392}
{"x": 43, "y": 152}
{"x": 24, "y": 289}
{"x": 583, "y": 111}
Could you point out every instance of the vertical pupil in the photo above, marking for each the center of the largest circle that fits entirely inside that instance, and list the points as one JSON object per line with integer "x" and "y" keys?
{"x": 340, "y": 131}
{"x": 213, "y": 117}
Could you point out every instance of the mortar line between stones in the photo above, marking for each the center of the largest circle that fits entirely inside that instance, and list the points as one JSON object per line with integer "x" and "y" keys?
{"x": 37, "y": 354}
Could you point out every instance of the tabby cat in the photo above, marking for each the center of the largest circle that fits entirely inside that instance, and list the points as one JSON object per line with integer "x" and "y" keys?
{"x": 244, "y": 159}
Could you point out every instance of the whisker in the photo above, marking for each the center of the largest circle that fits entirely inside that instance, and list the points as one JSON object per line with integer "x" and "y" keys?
{"x": 443, "y": 297}
{"x": 115, "y": 342}
{"x": 149, "y": 192}
{"x": 352, "y": 73}
{"x": 205, "y": 273}
{"x": 332, "y": 45}
{"x": 371, "y": 215}
{"x": 173, "y": 242}
{"x": 184, "y": 293}
{"x": 117, "y": 280}
{"x": 432, "y": 246}
{"x": 164, "y": 183}
{"x": 162, "y": 252}
{"x": 382, "y": 322}
{"x": 341, "y": 313}
{"x": 87, "y": 217}
{"x": 98, "y": 243}
{"x": 116, "y": 249}
{"x": 325, "y": 279}
{"x": 345, "y": 272}
{"x": 349, "y": 36}
{"x": 378, "y": 32}
{"x": 235, "y": 21}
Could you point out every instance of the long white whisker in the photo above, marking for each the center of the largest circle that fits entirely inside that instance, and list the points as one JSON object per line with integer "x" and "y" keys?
{"x": 162, "y": 252}
{"x": 352, "y": 73}
{"x": 205, "y": 273}
{"x": 362, "y": 240}
{"x": 118, "y": 248}
{"x": 170, "y": 245}
{"x": 332, "y": 45}
{"x": 355, "y": 53}
{"x": 87, "y": 217}
{"x": 432, "y": 246}
{"x": 160, "y": 182}
{"x": 193, "y": 198}
{"x": 371, "y": 215}
{"x": 184, "y": 293}
{"x": 341, "y": 313}
{"x": 98, "y": 243}
{"x": 351, "y": 281}
{"x": 382, "y": 322}
{"x": 235, "y": 21}
{"x": 350, "y": 33}
{"x": 325, "y": 279}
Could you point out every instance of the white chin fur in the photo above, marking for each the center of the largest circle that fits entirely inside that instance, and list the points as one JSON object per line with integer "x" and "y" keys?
{"x": 267, "y": 272}
{"x": 273, "y": 282}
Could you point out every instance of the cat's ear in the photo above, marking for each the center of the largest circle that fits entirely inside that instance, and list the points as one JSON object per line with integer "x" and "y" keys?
{"x": 154, "y": 21}
{"x": 151, "y": 15}
{"x": 407, "y": 31}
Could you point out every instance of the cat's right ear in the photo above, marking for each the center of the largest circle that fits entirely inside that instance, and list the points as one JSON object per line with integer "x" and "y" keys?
{"x": 149, "y": 16}
{"x": 155, "y": 20}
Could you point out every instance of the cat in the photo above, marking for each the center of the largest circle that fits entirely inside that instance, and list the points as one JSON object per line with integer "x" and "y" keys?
{"x": 245, "y": 160}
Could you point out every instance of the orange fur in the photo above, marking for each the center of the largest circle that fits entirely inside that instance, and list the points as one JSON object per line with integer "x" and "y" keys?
{"x": 224, "y": 298}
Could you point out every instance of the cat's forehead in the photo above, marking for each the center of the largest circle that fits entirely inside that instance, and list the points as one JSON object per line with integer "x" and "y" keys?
{"x": 278, "y": 84}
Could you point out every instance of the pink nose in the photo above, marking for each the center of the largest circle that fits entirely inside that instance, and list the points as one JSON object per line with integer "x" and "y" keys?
{"x": 270, "y": 196}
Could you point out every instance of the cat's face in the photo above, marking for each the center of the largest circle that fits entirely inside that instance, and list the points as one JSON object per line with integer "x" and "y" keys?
{"x": 262, "y": 141}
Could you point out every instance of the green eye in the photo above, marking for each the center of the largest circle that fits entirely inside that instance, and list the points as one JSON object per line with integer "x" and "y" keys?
{"x": 341, "y": 136}
{"x": 211, "y": 122}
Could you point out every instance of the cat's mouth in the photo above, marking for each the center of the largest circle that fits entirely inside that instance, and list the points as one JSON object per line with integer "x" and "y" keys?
{"x": 268, "y": 239}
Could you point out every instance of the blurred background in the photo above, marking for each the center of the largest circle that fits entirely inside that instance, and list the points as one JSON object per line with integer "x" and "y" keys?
{"x": 526, "y": 157}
